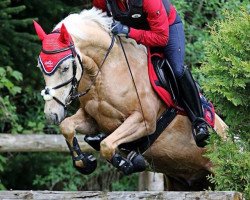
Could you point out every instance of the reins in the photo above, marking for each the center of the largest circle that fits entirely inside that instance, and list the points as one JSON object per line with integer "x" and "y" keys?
{"x": 139, "y": 100}
{"x": 133, "y": 80}
{"x": 99, "y": 69}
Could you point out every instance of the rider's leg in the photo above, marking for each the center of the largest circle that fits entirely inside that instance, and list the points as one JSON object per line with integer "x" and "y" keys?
{"x": 192, "y": 104}
{"x": 175, "y": 53}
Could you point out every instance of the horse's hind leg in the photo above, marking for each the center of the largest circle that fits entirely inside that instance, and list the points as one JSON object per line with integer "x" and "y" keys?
{"x": 85, "y": 163}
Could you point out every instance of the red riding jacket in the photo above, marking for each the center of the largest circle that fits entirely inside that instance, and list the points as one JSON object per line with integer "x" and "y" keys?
{"x": 158, "y": 20}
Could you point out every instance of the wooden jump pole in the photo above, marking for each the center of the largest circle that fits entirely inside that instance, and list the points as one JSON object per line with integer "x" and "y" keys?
{"x": 38, "y": 143}
{"x": 145, "y": 195}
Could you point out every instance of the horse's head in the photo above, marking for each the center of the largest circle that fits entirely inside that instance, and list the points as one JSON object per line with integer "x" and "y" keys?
{"x": 62, "y": 70}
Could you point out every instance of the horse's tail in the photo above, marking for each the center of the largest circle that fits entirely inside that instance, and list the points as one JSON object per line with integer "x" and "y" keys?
{"x": 220, "y": 127}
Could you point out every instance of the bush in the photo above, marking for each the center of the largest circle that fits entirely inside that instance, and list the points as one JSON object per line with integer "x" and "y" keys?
{"x": 231, "y": 166}
{"x": 225, "y": 78}
{"x": 197, "y": 17}
{"x": 227, "y": 69}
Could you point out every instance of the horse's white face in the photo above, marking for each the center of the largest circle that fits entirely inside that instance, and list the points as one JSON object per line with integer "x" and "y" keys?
{"x": 54, "y": 111}
{"x": 61, "y": 70}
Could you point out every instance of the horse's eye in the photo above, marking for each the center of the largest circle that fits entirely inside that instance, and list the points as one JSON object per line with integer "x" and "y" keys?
{"x": 65, "y": 69}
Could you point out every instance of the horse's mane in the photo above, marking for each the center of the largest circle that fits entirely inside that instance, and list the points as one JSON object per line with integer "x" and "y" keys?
{"x": 75, "y": 20}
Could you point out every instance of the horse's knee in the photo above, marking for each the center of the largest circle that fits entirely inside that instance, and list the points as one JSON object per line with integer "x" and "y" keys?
{"x": 67, "y": 128}
{"x": 150, "y": 127}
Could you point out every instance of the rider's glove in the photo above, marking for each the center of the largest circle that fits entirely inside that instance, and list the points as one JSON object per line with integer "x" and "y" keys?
{"x": 117, "y": 28}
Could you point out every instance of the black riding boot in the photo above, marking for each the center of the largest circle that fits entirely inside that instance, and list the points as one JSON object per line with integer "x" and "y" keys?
{"x": 192, "y": 104}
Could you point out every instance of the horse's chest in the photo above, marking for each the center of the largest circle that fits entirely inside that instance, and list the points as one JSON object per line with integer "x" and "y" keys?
{"x": 107, "y": 117}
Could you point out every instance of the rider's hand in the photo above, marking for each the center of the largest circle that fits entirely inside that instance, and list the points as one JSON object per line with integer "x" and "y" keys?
{"x": 117, "y": 28}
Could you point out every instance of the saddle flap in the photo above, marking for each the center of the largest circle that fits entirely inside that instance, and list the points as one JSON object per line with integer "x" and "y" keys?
{"x": 166, "y": 77}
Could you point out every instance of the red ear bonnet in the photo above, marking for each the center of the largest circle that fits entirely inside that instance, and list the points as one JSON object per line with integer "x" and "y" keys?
{"x": 40, "y": 32}
{"x": 56, "y": 48}
{"x": 64, "y": 36}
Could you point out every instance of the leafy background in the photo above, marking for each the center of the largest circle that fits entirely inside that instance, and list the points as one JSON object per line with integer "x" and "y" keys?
{"x": 217, "y": 50}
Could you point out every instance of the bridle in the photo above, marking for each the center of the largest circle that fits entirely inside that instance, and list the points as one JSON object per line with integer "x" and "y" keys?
{"x": 73, "y": 94}
{"x": 73, "y": 80}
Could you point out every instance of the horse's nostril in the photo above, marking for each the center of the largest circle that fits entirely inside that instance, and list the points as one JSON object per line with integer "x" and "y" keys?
{"x": 55, "y": 118}
{"x": 52, "y": 118}
{"x": 46, "y": 91}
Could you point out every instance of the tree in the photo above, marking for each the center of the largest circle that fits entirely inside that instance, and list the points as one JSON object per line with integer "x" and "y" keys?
{"x": 197, "y": 17}
{"x": 9, "y": 77}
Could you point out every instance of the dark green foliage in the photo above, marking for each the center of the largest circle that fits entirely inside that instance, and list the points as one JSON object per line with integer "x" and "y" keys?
{"x": 54, "y": 171}
{"x": 2, "y": 166}
{"x": 8, "y": 90}
{"x": 17, "y": 52}
{"x": 226, "y": 79}
{"x": 17, "y": 46}
{"x": 231, "y": 166}
{"x": 63, "y": 176}
{"x": 197, "y": 17}
{"x": 127, "y": 183}
{"x": 227, "y": 69}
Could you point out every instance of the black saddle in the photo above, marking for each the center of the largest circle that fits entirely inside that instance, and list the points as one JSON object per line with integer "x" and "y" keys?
{"x": 166, "y": 77}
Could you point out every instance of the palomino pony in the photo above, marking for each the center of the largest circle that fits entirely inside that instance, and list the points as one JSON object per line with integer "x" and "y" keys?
{"x": 81, "y": 54}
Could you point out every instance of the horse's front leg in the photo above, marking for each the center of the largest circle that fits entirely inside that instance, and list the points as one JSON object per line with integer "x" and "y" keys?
{"x": 133, "y": 128}
{"x": 83, "y": 162}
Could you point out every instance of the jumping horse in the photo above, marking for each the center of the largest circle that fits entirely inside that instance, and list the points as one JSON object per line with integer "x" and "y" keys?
{"x": 80, "y": 59}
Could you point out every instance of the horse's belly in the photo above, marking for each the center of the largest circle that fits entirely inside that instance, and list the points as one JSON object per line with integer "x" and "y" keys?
{"x": 175, "y": 151}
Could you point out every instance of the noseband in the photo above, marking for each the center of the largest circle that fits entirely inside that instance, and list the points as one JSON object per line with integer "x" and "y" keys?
{"x": 48, "y": 93}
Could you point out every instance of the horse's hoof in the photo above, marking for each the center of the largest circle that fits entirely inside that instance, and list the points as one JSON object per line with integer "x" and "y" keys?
{"x": 123, "y": 164}
{"x": 94, "y": 141}
{"x": 89, "y": 162}
{"x": 138, "y": 161}
{"x": 132, "y": 164}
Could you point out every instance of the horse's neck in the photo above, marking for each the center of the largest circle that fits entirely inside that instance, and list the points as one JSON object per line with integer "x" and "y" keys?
{"x": 98, "y": 60}
{"x": 92, "y": 53}
{"x": 102, "y": 70}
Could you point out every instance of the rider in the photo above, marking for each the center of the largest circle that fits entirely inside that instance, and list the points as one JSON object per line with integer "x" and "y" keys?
{"x": 157, "y": 24}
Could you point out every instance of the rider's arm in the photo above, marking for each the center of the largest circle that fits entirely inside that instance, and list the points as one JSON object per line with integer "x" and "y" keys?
{"x": 159, "y": 24}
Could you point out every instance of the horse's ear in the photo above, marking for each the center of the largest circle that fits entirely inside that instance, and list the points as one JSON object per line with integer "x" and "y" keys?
{"x": 64, "y": 36}
{"x": 39, "y": 30}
